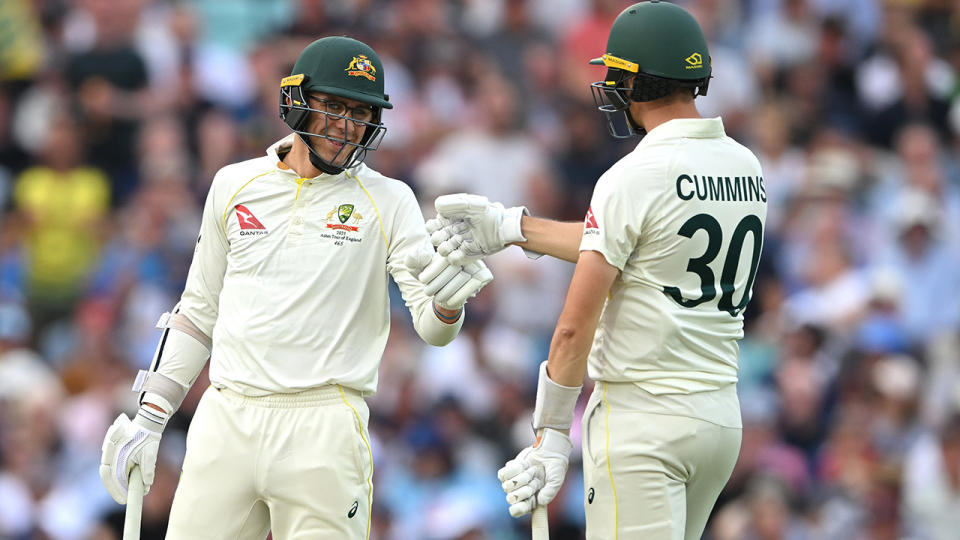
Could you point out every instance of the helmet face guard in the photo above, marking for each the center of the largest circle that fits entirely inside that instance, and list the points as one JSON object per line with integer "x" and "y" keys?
{"x": 295, "y": 112}
{"x": 613, "y": 95}
{"x": 612, "y": 98}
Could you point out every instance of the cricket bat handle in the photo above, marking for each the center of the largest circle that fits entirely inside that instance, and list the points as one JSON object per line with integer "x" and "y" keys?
{"x": 131, "y": 521}
{"x": 541, "y": 530}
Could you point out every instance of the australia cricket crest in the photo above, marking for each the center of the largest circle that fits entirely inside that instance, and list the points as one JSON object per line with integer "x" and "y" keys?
{"x": 344, "y": 211}
{"x": 361, "y": 66}
{"x": 345, "y": 218}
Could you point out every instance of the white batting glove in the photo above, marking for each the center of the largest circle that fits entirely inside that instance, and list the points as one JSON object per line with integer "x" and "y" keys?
{"x": 471, "y": 227}
{"x": 131, "y": 443}
{"x": 534, "y": 477}
{"x": 450, "y": 285}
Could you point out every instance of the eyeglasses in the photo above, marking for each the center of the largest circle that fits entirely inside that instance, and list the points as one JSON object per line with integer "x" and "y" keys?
{"x": 339, "y": 108}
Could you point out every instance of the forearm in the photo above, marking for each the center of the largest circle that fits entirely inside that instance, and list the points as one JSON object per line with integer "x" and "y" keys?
{"x": 555, "y": 238}
{"x": 560, "y": 381}
{"x": 577, "y": 325}
{"x": 569, "y": 349}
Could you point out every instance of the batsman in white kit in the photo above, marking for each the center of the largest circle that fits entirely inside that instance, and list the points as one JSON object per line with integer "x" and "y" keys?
{"x": 287, "y": 295}
{"x": 666, "y": 259}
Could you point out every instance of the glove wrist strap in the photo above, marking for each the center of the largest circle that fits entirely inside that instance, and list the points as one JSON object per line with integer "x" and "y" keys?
{"x": 510, "y": 228}
{"x": 552, "y": 440}
{"x": 151, "y": 419}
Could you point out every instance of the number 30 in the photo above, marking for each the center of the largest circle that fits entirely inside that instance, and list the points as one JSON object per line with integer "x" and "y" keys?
{"x": 708, "y": 291}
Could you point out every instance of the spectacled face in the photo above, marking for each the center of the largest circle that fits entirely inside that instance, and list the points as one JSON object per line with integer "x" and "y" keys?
{"x": 342, "y": 123}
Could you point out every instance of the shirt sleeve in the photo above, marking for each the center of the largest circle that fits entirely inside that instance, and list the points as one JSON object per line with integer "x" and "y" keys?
{"x": 612, "y": 224}
{"x": 201, "y": 296}
{"x": 409, "y": 236}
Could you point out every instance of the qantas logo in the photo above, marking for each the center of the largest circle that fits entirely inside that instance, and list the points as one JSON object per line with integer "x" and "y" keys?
{"x": 590, "y": 222}
{"x": 249, "y": 224}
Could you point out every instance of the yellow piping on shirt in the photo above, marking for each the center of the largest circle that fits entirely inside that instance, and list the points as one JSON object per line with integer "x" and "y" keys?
{"x": 613, "y": 487}
{"x": 369, "y": 454}
{"x": 299, "y": 185}
{"x": 237, "y": 192}
{"x": 375, "y": 209}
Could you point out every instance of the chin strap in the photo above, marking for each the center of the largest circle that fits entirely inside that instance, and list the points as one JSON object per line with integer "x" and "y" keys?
{"x": 318, "y": 161}
{"x": 634, "y": 126}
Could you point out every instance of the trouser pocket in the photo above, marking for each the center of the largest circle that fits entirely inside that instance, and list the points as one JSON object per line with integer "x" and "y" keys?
{"x": 594, "y": 406}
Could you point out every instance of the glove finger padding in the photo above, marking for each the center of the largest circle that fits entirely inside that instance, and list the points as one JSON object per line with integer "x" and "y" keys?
{"x": 528, "y": 476}
{"x": 460, "y": 205}
{"x": 521, "y": 479}
{"x": 448, "y": 295}
{"x": 463, "y": 250}
{"x": 525, "y": 491}
{"x": 449, "y": 245}
{"x": 449, "y": 231}
{"x": 537, "y": 473}
{"x": 124, "y": 446}
{"x": 436, "y": 224}
{"x": 523, "y": 507}
{"x": 437, "y": 275}
{"x": 478, "y": 279}
{"x": 513, "y": 468}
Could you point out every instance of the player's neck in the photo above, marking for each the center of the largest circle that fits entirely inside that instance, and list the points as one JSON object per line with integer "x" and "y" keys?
{"x": 653, "y": 113}
{"x": 298, "y": 159}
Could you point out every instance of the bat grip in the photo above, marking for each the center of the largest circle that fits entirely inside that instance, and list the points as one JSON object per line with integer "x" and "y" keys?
{"x": 539, "y": 526}
{"x": 131, "y": 521}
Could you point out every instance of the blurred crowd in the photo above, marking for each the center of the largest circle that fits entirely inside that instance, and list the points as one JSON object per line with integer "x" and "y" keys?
{"x": 115, "y": 115}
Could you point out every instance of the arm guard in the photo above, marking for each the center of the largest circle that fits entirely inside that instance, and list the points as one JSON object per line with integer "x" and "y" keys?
{"x": 181, "y": 354}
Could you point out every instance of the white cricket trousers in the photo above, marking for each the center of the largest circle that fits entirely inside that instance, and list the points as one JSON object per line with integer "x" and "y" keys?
{"x": 650, "y": 476}
{"x": 297, "y": 464}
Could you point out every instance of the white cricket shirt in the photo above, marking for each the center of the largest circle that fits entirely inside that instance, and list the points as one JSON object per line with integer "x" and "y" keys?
{"x": 290, "y": 279}
{"x": 682, "y": 217}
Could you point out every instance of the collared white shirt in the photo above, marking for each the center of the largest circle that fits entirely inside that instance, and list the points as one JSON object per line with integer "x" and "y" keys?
{"x": 682, "y": 218}
{"x": 290, "y": 275}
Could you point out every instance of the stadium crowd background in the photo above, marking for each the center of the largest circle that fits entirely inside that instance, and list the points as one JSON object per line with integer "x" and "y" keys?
{"x": 115, "y": 115}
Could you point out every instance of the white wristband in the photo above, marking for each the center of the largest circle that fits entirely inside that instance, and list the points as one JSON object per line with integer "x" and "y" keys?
{"x": 555, "y": 403}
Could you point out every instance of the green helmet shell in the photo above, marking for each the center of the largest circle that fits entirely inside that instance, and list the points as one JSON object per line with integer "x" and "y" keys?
{"x": 340, "y": 66}
{"x": 660, "y": 39}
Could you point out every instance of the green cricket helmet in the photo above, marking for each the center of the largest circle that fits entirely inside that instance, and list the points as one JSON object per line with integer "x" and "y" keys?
{"x": 662, "y": 48}
{"x": 342, "y": 67}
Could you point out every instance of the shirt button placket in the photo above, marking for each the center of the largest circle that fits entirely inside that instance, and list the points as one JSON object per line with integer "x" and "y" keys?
{"x": 296, "y": 219}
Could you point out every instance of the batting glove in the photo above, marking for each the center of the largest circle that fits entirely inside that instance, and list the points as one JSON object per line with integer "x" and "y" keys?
{"x": 471, "y": 227}
{"x": 534, "y": 477}
{"x": 131, "y": 443}
{"x": 449, "y": 284}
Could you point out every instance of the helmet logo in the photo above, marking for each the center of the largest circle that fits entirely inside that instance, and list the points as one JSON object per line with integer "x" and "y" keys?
{"x": 361, "y": 66}
{"x": 293, "y": 80}
{"x": 694, "y": 61}
{"x": 612, "y": 61}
